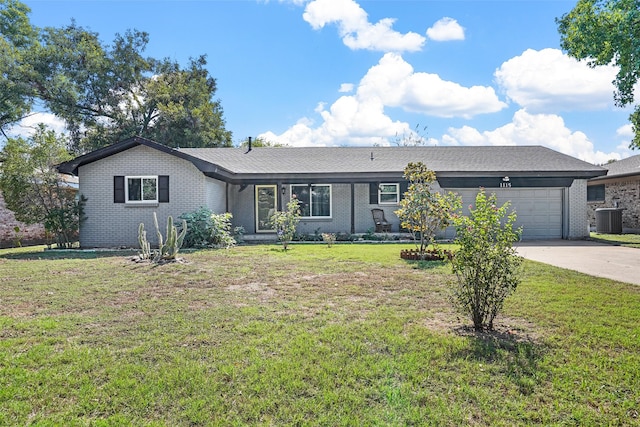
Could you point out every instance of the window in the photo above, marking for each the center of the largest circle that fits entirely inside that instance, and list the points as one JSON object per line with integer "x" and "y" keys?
{"x": 388, "y": 194}
{"x": 595, "y": 193}
{"x": 141, "y": 189}
{"x": 315, "y": 199}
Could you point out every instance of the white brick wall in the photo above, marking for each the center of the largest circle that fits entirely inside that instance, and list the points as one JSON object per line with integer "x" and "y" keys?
{"x": 112, "y": 224}
{"x": 578, "y": 212}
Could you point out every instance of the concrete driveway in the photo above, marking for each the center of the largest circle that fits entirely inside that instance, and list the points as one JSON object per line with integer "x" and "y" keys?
{"x": 593, "y": 258}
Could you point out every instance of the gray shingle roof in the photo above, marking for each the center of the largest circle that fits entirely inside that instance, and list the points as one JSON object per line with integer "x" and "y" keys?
{"x": 350, "y": 164}
{"x": 628, "y": 166}
{"x": 443, "y": 160}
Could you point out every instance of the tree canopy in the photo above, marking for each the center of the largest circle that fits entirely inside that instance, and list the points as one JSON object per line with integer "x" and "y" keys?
{"x": 104, "y": 93}
{"x": 608, "y": 32}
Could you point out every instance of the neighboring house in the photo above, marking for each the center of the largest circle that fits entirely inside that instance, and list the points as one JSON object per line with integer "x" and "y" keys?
{"x": 128, "y": 181}
{"x": 619, "y": 188}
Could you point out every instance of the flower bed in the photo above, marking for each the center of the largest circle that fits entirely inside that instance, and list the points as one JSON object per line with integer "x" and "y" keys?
{"x": 428, "y": 255}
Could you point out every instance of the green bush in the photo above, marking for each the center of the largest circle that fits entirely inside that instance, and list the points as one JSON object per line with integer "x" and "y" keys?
{"x": 206, "y": 229}
{"x": 285, "y": 222}
{"x": 486, "y": 264}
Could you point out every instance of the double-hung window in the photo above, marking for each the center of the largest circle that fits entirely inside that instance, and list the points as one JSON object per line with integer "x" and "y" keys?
{"x": 388, "y": 194}
{"x": 315, "y": 199}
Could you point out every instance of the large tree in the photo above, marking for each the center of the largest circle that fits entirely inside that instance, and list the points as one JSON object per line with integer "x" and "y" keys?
{"x": 16, "y": 38}
{"x": 608, "y": 32}
{"x": 106, "y": 93}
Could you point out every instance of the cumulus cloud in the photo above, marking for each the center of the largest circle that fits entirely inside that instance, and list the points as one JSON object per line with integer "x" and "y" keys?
{"x": 346, "y": 87}
{"x": 548, "y": 80}
{"x": 356, "y": 30}
{"x": 360, "y": 119}
{"x": 446, "y": 29}
{"x": 395, "y": 82}
{"x": 533, "y": 129}
{"x": 347, "y": 122}
{"x": 625, "y": 131}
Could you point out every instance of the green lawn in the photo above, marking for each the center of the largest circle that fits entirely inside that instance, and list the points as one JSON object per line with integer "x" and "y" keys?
{"x": 631, "y": 240}
{"x": 348, "y": 335}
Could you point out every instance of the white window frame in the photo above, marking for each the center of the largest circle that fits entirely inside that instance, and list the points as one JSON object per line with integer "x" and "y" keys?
{"x": 397, "y": 193}
{"x": 311, "y": 200}
{"x": 141, "y": 178}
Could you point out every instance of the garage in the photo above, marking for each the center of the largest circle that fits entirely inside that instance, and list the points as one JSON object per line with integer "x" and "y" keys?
{"x": 539, "y": 210}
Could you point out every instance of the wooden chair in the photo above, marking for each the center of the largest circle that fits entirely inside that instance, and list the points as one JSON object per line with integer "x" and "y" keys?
{"x": 382, "y": 225}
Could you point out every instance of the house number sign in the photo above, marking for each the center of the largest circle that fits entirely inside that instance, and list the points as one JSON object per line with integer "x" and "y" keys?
{"x": 506, "y": 183}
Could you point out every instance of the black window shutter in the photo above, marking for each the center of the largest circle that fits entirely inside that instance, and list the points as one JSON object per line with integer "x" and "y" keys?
{"x": 404, "y": 187}
{"x": 373, "y": 193}
{"x": 118, "y": 189}
{"x": 163, "y": 188}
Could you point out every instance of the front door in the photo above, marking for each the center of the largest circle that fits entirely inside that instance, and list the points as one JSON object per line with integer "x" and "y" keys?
{"x": 266, "y": 206}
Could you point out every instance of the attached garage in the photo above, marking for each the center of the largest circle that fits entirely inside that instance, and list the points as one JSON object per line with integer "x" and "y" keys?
{"x": 539, "y": 210}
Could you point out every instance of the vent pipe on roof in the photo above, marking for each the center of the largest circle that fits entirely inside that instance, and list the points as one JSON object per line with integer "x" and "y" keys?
{"x": 249, "y": 146}
{"x": 372, "y": 156}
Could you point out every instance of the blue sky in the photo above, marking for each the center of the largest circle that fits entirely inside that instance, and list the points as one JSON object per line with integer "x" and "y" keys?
{"x": 346, "y": 72}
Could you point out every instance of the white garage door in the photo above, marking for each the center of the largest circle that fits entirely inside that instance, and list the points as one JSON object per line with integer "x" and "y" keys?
{"x": 539, "y": 210}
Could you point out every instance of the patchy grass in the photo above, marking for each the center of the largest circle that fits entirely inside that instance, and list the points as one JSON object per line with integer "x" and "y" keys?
{"x": 630, "y": 240}
{"x": 348, "y": 335}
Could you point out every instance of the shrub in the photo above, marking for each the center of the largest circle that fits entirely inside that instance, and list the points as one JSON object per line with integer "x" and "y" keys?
{"x": 486, "y": 264}
{"x": 329, "y": 238}
{"x": 221, "y": 234}
{"x": 285, "y": 222}
{"x": 424, "y": 212}
{"x": 206, "y": 229}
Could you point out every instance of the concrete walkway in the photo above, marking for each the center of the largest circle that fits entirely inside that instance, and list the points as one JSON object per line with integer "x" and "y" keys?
{"x": 596, "y": 259}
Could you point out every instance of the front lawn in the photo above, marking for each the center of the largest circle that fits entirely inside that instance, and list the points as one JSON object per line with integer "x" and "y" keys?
{"x": 630, "y": 240}
{"x": 348, "y": 335}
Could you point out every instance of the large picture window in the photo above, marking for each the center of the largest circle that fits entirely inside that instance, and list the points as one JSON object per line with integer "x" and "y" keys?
{"x": 388, "y": 194}
{"x": 315, "y": 199}
{"x": 141, "y": 189}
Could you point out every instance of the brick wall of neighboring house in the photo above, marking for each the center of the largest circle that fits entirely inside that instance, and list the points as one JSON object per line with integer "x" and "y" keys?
{"x": 29, "y": 234}
{"x": 627, "y": 195}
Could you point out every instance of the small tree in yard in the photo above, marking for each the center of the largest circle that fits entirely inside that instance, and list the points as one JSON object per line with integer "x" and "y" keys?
{"x": 486, "y": 264}
{"x": 285, "y": 222}
{"x": 34, "y": 190}
{"x": 424, "y": 212}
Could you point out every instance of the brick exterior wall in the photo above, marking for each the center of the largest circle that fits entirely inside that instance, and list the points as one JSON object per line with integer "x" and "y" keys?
{"x": 626, "y": 193}
{"x": 110, "y": 224}
{"x": 578, "y": 212}
{"x": 29, "y": 234}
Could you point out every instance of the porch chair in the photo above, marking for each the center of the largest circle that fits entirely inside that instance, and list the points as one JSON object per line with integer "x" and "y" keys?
{"x": 382, "y": 225}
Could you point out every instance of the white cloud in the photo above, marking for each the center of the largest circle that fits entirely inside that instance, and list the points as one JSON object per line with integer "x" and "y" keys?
{"x": 356, "y": 30}
{"x": 533, "y": 129}
{"x": 625, "y": 131}
{"x": 346, "y": 87}
{"x": 446, "y": 29}
{"x": 550, "y": 81}
{"x": 394, "y": 81}
{"x": 360, "y": 119}
{"x": 27, "y": 126}
{"x": 347, "y": 122}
